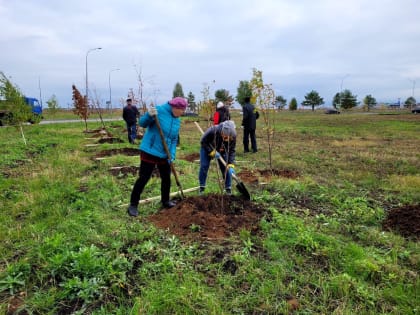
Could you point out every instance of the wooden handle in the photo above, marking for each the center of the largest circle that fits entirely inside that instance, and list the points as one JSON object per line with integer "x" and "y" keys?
{"x": 165, "y": 146}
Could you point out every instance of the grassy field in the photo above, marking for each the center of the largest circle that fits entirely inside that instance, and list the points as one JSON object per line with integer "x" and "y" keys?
{"x": 68, "y": 246}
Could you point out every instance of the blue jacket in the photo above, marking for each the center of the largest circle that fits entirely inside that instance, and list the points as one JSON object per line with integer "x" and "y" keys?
{"x": 151, "y": 142}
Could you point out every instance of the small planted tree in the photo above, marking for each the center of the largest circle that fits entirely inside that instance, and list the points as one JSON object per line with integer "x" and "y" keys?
{"x": 178, "y": 92}
{"x": 80, "y": 104}
{"x": 410, "y": 102}
{"x": 142, "y": 98}
{"x": 52, "y": 104}
{"x": 207, "y": 105}
{"x": 336, "y": 101}
{"x": 192, "y": 105}
{"x": 348, "y": 100}
{"x": 264, "y": 98}
{"x": 97, "y": 105}
{"x": 280, "y": 102}
{"x": 17, "y": 110}
{"x": 369, "y": 102}
{"x": 293, "y": 104}
{"x": 313, "y": 99}
{"x": 223, "y": 95}
{"x": 243, "y": 91}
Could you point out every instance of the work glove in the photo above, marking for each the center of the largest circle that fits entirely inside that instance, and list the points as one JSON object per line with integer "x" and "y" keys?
{"x": 231, "y": 169}
{"x": 152, "y": 111}
{"x": 214, "y": 154}
{"x": 170, "y": 161}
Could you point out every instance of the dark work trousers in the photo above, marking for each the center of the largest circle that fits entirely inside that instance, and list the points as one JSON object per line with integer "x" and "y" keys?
{"x": 132, "y": 132}
{"x": 145, "y": 172}
{"x": 250, "y": 133}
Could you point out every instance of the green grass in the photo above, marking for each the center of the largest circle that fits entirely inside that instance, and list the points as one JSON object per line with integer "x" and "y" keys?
{"x": 68, "y": 245}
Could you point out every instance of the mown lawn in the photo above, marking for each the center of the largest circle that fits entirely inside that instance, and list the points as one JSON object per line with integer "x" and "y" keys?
{"x": 68, "y": 246}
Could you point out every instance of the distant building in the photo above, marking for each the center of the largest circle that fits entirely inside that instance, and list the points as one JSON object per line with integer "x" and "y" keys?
{"x": 395, "y": 105}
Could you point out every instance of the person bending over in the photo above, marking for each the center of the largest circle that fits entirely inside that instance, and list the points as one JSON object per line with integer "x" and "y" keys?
{"x": 218, "y": 141}
{"x": 152, "y": 151}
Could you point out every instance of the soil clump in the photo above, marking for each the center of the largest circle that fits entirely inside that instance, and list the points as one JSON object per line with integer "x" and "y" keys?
{"x": 209, "y": 217}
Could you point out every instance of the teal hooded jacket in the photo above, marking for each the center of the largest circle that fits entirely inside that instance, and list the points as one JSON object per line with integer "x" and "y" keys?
{"x": 151, "y": 142}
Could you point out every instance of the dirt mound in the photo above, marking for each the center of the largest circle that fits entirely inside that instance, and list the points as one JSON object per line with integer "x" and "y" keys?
{"x": 404, "y": 220}
{"x": 209, "y": 217}
{"x": 191, "y": 157}
{"x": 255, "y": 176}
{"x": 283, "y": 173}
{"x": 124, "y": 171}
{"x": 101, "y": 132}
{"x": 110, "y": 140}
{"x": 122, "y": 151}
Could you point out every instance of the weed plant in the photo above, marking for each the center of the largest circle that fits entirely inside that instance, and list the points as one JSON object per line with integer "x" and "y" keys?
{"x": 68, "y": 246}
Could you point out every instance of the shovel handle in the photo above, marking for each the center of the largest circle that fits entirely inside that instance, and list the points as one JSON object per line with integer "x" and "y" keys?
{"x": 220, "y": 158}
{"x": 199, "y": 127}
{"x": 168, "y": 153}
{"x": 241, "y": 187}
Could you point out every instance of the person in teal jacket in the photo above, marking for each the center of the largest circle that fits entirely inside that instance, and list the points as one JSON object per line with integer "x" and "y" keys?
{"x": 152, "y": 151}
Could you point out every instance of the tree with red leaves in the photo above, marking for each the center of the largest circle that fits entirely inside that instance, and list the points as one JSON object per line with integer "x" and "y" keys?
{"x": 81, "y": 107}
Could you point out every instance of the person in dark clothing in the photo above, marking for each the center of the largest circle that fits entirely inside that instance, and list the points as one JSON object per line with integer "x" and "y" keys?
{"x": 222, "y": 114}
{"x": 153, "y": 153}
{"x": 249, "y": 122}
{"x": 218, "y": 141}
{"x": 130, "y": 116}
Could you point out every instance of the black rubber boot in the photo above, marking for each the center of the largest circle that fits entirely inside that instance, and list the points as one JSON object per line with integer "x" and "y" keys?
{"x": 168, "y": 204}
{"x": 133, "y": 211}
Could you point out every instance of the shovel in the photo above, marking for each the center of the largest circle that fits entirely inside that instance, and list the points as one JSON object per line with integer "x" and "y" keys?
{"x": 239, "y": 184}
{"x": 165, "y": 146}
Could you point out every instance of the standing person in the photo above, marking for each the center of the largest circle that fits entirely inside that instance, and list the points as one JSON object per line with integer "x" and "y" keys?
{"x": 222, "y": 114}
{"x": 249, "y": 122}
{"x": 152, "y": 151}
{"x": 218, "y": 141}
{"x": 130, "y": 115}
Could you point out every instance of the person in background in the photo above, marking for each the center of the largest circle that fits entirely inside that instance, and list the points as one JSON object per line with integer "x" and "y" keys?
{"x": 249, "y": 122}
{"x": 152, "y": 151}
{"x": 130, "y": 116}
{"x": 222, "y": 114}
{"x": 218, "y": 141}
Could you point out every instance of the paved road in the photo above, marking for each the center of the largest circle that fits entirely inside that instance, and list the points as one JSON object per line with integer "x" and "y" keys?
{"x": 60, "y": 121}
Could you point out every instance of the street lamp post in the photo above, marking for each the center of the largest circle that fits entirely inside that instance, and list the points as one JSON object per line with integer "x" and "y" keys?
{"x": 109, "y": 82}
{"x": 412, "y": 95}
{"x": 414, "y": 86}
{"x": 87, "y": 89}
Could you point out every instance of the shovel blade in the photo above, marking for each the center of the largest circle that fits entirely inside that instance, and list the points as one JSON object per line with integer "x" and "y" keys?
{"x": 242, "y": 189}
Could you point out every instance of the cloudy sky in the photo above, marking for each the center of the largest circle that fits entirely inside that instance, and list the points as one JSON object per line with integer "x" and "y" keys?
{"x": 366, "y": 46}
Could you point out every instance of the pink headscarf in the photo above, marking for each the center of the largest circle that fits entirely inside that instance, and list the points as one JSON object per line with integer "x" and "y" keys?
{"x": 178, "y": 102}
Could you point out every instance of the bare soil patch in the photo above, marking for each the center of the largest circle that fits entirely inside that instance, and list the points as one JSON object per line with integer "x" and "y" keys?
{"x": 124, "y": 171}
{"x": 267, "y": 173}
{"x": 100, "y": 132}
{"x": 404, "y": 220}
{"x": 103, "y": 135}
{"x": 122, "y": 151}
{"x": 255, "y": 176}
{"x": 209, "y": 217}
{"x": 191, "y": 157}
{"x": 110, "y": 140}
{"x": 14, "y": 303}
